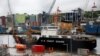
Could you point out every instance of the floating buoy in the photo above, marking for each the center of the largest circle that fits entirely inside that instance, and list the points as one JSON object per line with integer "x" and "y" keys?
{"x": 20, "y": 47}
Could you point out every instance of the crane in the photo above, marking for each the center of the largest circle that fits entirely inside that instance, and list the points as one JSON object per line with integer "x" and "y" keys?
{"x": 10, "y": 13}
{"x": 86, "y": 4}
{"x": 45, "y": 16}
{"x": 52, "y": 5}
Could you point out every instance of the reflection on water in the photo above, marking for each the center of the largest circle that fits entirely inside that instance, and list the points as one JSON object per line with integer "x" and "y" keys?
{"x": 8, "y": 39}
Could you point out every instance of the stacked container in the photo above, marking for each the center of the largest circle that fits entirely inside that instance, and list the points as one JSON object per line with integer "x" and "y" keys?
{"x": 91, "y": 29}
{"x": 3, "y": 20}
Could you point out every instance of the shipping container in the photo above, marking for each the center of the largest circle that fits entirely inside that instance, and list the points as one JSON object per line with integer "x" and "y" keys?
{"x": 3, "y": 21}
{"x": 2, "y": 30}
{"x": 32, "y": 20}
{"x": 55, "y": 19}
{"x": 98, "y": 25}
{"x": 91, "y": 29}
{"x": 9, "y": 20}
{"x": 98, "y": 29}
{"x": 40, "y": 19}
{"x": 36, "y": 23}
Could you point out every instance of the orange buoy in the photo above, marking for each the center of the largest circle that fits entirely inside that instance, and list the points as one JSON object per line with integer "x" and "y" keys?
{"x": 20, "y": 47}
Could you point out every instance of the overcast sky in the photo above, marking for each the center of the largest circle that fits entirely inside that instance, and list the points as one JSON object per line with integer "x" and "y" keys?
{"x": 37, "y": 6}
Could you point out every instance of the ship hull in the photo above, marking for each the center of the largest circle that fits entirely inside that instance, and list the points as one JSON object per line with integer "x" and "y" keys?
{"x": 66, "y": 44}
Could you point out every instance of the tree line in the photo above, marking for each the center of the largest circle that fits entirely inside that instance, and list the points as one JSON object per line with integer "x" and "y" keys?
{"x": 92, "y": 14}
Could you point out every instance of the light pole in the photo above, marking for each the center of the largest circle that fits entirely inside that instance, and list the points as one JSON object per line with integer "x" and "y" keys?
{"x": 93, "y": 7}
{"x": 92, "y": 14}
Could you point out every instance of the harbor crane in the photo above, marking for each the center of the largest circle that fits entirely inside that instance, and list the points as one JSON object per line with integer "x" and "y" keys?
{"x": 45, "y": 16}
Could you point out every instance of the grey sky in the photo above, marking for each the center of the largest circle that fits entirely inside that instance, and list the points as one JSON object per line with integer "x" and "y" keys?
{"x": 37, "y": 6}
